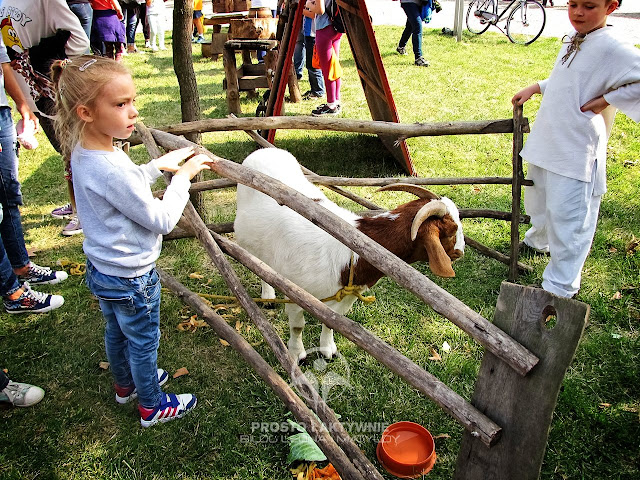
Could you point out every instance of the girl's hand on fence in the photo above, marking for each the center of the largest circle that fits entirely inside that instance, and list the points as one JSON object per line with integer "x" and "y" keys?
{"x": 194, "y": 166}
{"x": 596, "y": 105}
{"x": 525, "y": 94}
{"x": 171, "y": 161}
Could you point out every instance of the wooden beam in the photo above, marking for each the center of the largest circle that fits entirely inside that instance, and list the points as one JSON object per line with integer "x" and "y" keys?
{"x": 439, "y": 299}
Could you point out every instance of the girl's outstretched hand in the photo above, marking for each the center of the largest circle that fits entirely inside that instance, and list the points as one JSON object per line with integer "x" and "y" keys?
{"x": 194, "y": 165}
{"x": 171, "y": 161}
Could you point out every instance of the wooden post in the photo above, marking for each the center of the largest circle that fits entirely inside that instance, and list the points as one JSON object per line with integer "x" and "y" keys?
{"x": 494, "y": 339}
{"x": 231, "y": 74}
{"x": 516, "y": 190}
{"x": 522, "y": 405}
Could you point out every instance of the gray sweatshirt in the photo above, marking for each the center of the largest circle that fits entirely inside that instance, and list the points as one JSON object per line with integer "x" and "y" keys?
{"x": 122, "y": 222}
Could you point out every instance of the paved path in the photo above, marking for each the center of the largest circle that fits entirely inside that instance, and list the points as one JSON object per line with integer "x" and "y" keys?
{"x": 627, "y": 17}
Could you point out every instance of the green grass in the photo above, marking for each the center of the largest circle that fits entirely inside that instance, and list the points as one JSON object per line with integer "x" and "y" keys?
{"x": 78, "y": 432}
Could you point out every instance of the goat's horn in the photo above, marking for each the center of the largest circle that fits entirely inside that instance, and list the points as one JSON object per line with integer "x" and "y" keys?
{"x": 418, "y": 191}
{"x": 430, "y": 209}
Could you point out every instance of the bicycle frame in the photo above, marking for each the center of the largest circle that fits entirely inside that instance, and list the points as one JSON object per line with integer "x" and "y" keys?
{"x": 498, "y": 16}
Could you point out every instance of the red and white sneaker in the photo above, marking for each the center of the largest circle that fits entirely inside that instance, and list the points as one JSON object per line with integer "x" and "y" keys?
{"x": 171, "y": 407}
{"x": 127, "y": 394}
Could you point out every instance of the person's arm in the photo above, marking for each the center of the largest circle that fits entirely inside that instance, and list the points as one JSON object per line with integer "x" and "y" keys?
{"x": 116, "y": 6}
{"x": 315, "y": 6}
{"x": 625, "y": 98}
{"x": 14, "y": 91}
{"x": 60, "y": 17}
{"x": 525, "y": 94}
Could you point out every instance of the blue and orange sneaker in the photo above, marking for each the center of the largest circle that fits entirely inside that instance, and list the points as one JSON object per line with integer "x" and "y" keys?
{"x": 127, "y": 394}
{"x": 171, "y": 407}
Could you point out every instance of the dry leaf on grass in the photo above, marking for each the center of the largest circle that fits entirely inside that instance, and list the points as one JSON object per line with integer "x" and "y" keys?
{"x": 31, "y": 252}
{"x": 238, "y": 325}
{"x": 616, "y": 296}
{"x": 192, "y": 324}
{"x": 180, "y": 372}
{"x": 435, "y": 356}
{"x": 633, "y": 245}
{"x": 104, "y": 365}
{"x": 613, "y": 250}
{"x": 441, "y": 435}
{"x": 224, "y": 343}
{"x": 604, "y": 405}
{"x": 196, "y": 275}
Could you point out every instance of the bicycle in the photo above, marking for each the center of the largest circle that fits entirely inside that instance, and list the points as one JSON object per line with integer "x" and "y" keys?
{"x": 525, "y": 20}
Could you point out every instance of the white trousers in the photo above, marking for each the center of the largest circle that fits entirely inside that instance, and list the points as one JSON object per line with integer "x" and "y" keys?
{"x": 564, "y": 214}
{"x": 156, "y": 25}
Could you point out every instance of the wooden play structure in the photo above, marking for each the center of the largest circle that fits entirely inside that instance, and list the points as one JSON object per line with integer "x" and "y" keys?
{"x": 507, "y": 422}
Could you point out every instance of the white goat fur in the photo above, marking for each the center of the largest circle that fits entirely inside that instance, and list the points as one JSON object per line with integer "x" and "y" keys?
{"x": 293, "y": 246}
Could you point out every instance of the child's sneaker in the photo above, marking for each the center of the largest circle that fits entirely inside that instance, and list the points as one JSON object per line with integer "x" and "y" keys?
{"x": 200, "y": 39}
{"x": 64, "y": 211}
{"x": 172, "y": 406}
{"x": 33, "y": 302}
{"x": 326, "y": 110}
{"x": 127, "y": 394}
{"x": 21, "y": 394}
{"x": 421, "y": 62}
{"x": 401, "y": 50}
{"x": 72, "y": 228}
{"x": 38, "y": 275}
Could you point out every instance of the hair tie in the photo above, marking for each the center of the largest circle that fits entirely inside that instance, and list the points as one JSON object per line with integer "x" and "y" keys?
{"x": 87, "y": 64}
{"x": 64, "y": 63}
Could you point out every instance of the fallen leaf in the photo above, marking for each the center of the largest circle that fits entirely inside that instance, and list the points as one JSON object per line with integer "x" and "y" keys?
{"x": 238, "y": 326}
{"x": 192, "y": 324}
{"x": 224, "y": 342}
{"x": 604, "y": 405}
{"x": 446, "y": 347}
{"x": 442, "y": 435}
{"x": 31, "y": 252}
{"x": 435, "y": 356}
{"x": 616, "y": 296}
{"x": 104, "y": 365}
{"x": 613, "y": 249}
{"x": 631, "y": 408}
{"x": 633, "y": 245}
{"x": 180, "y": 372}
{"x": 476, "y": 190}
{"x": 196, "y": 275}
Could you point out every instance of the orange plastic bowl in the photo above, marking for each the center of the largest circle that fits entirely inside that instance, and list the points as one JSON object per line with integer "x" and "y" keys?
{"x": 406, "y": 450}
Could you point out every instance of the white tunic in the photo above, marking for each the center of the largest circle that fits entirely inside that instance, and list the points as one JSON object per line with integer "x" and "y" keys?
{"x": 565, "y": 140}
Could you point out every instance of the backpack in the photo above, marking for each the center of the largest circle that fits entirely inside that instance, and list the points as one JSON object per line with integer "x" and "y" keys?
{"x": 335, "y": 15}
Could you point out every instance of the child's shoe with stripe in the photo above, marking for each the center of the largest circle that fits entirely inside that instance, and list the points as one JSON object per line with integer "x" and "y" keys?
{"x": 127, "y": 394}
{"x": 37, "y": 275}
{"x": 171, "y": 407}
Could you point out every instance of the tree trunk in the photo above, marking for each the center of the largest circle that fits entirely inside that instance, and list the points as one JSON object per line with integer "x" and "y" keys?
{"x": 183, "y": 67}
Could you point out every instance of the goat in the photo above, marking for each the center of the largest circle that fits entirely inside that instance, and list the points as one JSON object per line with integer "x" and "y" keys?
{"x": 425, "y": 229}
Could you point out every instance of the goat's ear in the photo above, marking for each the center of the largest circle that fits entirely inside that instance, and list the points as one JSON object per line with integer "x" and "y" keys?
{"x": 439, "y": 261}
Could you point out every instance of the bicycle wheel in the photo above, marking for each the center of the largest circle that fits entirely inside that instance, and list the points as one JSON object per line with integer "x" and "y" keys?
{"x": 526, "y": 22}
{"x": 476, "y": 24}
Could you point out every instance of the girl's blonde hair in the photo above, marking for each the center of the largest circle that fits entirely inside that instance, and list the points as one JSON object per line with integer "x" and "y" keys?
{"x": 79, "y": 81}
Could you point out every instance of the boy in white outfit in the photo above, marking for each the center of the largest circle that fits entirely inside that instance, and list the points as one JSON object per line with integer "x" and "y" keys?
{"x": 595, "y": 73}
{"x": 156, "y": 15}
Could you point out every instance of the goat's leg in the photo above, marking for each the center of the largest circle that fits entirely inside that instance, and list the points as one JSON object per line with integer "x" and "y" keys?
{"x": 328, "y": 347}
{"x": 268, "y": 292}
{"x": 296, "y": 325}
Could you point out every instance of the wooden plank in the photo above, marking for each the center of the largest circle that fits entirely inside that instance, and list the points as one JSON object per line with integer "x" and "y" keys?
{"x": 523, "y": 406}
{"x": 231, "y": 76}
{"x": 516, "y": 189}
{"x": 373, "y": 77}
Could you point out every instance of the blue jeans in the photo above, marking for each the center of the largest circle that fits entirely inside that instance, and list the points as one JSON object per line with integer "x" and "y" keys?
{"x": 413, "y": 28}
{"x": 130, "y": 20}
{"x": 84, "y": 12}
{"x": 8, "y": 281}
{"x": 315, "y": 74}
{"x": 131, "y": 309}
{"x": 298, "y": 54}
{"x": 10, "y": 194}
